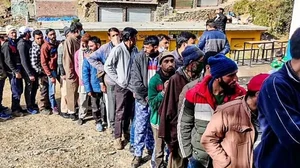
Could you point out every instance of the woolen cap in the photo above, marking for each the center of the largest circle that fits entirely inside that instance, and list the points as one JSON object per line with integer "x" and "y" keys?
{"x": 220, "y": 66}
{"x": 256, "y": 82}
{"x": 191, "y": 53}
{"x": 165, "y": 55}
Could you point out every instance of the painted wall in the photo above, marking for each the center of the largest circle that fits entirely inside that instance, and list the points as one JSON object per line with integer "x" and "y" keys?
{"x": 19, "y": 8}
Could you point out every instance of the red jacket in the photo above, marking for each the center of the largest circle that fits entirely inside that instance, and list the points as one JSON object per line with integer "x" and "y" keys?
{"x": 49, "y": 57}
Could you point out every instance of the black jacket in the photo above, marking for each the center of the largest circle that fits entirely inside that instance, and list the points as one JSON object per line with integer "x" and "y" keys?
{"x": 3, "y": 74}
{"x": 24, "y": 48}
{"x": 11, "y": 57}
{"x": 221, "y": 22}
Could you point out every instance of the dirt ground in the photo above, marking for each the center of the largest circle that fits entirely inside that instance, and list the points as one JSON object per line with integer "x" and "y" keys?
{"x": 36, "y": 141}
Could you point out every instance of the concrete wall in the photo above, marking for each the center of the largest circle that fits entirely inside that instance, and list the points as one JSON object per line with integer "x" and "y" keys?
{"x": 56, "y": 8}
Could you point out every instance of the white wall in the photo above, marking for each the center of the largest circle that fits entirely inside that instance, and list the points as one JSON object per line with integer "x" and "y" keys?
{"x": 295, "y": 20}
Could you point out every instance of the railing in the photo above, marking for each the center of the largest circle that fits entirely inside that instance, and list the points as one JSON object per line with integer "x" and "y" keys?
{"x": 258, "y": 51}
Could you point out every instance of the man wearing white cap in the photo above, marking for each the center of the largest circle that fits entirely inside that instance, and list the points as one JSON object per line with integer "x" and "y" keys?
{"x": 31, "y": 84}
{"x": 14, "y": 67}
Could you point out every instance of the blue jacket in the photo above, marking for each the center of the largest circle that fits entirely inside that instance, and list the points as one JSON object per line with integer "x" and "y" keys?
{"x": 214, "y": 41}
{"x": 89, "y": 77}
{"x": 279, "y": 117}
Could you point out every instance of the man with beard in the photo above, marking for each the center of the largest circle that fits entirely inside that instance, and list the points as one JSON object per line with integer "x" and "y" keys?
{"x": 235, "y": 123}
{"x": 199, "y": 105}
{"x": 49, "y": 63}
{"x": 143, "y": 69}
{"x": 31, "y": 83}
{"x": 156, "y": 91}
{"x": 35, "y": 59}
{"x": 192, "y": 66}
{"x": 14, "y": 67}
{"x": 71, "y": 45}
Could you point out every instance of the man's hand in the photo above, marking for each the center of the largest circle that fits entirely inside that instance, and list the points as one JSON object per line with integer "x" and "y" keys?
{"x": 63, "y": 77}
{"x": 103, "y": 88}
{"x": 146, "y": 99}
{"x": 133, "y": 95}
{"x": 32, "y": 78}
{"x": 18, "y": 75}
{"x": 166, "y": 85}
{"x": 91, "y": 94}
{"x": 53, "y": 80}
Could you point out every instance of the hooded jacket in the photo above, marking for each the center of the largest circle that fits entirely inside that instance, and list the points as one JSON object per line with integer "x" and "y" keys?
{"x": 197, "y": 110}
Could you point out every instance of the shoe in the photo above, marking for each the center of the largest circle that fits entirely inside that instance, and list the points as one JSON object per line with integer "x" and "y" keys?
{"x": 55, "y": 111}
{"x": 17, "y": 114}
{"x": 65, "y": 115}
{"x": 99, "y": 127}
{"x": 46, "y": 111}
{"x": 73, "y": 117}
{"x": 36, "y": 107}
{"x": 136, "y": 162}
{"x": 118, "y": 144}
{"x": 131, "y": 149}
{"x": 4, "y": 116}
{"x": 149, "y": 152}
{"x": 80, "y": 121}
{"x": 3, "y": 108}
{"x": 31, "y": 111}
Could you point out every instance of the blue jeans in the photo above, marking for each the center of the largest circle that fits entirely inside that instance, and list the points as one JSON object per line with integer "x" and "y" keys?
{"x": 193, "y": 163}
{"x": 16, "y": 91}
{"x": 51, "y": 90}
{"x": 132, "y": 132}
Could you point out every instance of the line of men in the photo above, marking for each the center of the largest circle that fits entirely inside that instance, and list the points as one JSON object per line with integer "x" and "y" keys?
{"x": 188, "y": 100}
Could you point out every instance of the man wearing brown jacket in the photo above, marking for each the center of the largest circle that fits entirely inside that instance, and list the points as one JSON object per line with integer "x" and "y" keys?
{"x": 72, "y": 44}
{"x": 230, "y": 135}
{"x": 49, "y": 65}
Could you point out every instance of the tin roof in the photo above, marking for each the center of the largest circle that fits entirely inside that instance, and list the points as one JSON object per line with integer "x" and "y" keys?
{"x": 151, "y": 26}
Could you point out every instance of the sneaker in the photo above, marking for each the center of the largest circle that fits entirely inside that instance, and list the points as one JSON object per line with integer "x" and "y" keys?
{"x": 55, "y": 111}
{"x": 35, "y": 106}
{"x": 46, "y": 111}
{"x": 3, "y": 108}
{"x": 31, "y": 111}
{"x": 73, "y": 117}
{"x": 17, "y": 114}
{"x": 136, "y": 162}
{"x": 99, "y": 127}
{"x": 80, "y": 121}
{"x": 4, "y": 116}
{"x": 118, "y": 144}
{"x": 65, "y": 115}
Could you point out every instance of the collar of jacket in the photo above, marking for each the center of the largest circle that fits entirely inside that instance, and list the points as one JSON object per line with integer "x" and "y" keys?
{"x": 292, "y": 74}
{"x": 181, "y": 72}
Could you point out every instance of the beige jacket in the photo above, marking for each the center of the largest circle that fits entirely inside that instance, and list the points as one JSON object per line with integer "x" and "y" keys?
{"x": 229, "y": 136}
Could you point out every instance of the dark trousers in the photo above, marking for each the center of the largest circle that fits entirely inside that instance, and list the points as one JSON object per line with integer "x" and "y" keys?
{"x": 111, "y": 104}
{"x": 98, "y": 107}
{"x": 44, "y": 102}
{"x": 31, "y": 88}
{"x": 16, "y": 86}
{"x": 2, "y": 83}
{"x": 124, "y": 110}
